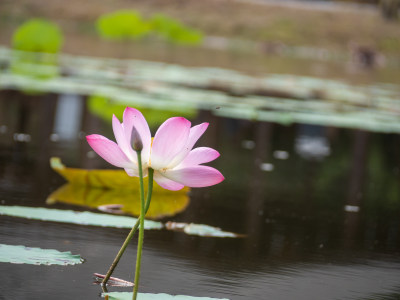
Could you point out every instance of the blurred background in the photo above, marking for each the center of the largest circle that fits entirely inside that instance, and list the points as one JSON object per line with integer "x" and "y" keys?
{"x": 303, "y": 101}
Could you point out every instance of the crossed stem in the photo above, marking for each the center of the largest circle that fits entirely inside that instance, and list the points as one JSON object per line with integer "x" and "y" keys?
{"x": 132, "y": 232}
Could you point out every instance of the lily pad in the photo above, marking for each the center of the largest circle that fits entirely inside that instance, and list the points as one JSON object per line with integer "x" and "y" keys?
{"x": 200, "y": 230}
{"x": 36, "y": 256}
{"x": 106, "y": 179}
{"x": 145, "y": 296}
{"x": 38, "y": 35}
{"x": 74, "y": 217}
{"x": 120, "y": 201}
{"x": 122, "y": 25}
{"x": 104, "y": 220}
{"x": 105, "y": 107}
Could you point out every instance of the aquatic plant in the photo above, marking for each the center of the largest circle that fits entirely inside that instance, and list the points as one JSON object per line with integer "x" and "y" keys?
{"x": 170, "y": 155}
{"x": 130, "y": 25}
{"x": 18, "y": 254}
{"x": 174, "y": 31}
{"x": 38, "y": 35}
{"x": 122, "y": 25}
{"x": 168, "y": 158}
{"x": 38, "y": 41}
{"x": 104, "y": 107}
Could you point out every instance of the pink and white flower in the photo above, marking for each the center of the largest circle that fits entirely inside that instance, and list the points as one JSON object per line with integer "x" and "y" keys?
{"x": 176, "y": 164}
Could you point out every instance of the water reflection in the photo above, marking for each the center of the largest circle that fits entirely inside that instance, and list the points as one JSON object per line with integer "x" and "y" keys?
{"x": 301, "y": 242}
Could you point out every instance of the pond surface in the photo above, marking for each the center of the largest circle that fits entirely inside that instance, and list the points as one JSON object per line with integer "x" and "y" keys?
{"x": 320, "y": 208}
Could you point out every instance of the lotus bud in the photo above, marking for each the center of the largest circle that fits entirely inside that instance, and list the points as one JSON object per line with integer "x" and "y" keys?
{"x": 136, "y": 141}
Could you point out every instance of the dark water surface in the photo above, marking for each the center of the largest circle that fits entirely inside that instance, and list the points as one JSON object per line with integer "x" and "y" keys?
{"x": 320, "y": 208}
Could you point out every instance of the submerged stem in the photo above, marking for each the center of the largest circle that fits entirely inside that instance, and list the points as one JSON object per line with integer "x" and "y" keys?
{"x": 131, "y": 233}
{"x": 141, "y": 228}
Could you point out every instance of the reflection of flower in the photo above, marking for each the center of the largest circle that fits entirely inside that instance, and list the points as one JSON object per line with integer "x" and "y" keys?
{"x": 170, "y": 154}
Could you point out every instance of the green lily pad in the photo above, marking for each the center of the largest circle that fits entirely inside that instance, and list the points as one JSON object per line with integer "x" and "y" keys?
{"x": 74, "y": 217}
{"x": 36, "y": 256}
{"x": 145, "y": 296}
{"x": 122, "y": 25}
{"x": 38, "y": 41}
{"x": 200, "y": 230}
{"x": 38, "y": 35}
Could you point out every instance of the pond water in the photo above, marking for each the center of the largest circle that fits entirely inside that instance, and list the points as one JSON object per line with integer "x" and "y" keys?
{"x": 320, "y": 208}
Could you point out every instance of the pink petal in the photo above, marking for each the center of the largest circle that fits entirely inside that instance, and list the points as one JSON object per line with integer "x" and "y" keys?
{"x": 166, "y": 183}
{"x": 133, "y": 117}
{"x": 169, "y": 141}
{"x": 197, "y": 176}
{"x": 198, "y": 156}
{"x": 122, "y": 140}
{"x": 109, "y": 151}
{"x": 195, "y": 133}
{"x": 132, "y": 172}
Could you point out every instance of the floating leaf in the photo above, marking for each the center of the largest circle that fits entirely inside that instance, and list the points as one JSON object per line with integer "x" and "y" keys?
{"x": 108, "y": 179}
{"x": 285, "y": 99}
{"x": 97, "y": 188}
{"x": 38, "y": 35}
{"x": 145, "y": 296}
{"x": 38, "y": 42}
{"x": 174, "y": 31}
{"x": 105, "y": 107}
{"x": 122, "y": 201}
{"x": 122, "y": 25}
{"x": 74, "y": 217}
{"x": 36, "y": 256}
{"x": 200, "y": 229}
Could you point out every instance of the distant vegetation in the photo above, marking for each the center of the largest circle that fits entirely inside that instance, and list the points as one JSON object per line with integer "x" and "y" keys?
{"x": 122, "y": 25}
{"x": 40, "y": 40}
{"x": 38, "y": 35}
{"x": 105, "y": 107}
{"x": 130, "y": 25}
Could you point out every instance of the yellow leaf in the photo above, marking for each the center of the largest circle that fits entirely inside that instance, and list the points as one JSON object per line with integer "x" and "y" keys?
{"x": 108, "y": 190}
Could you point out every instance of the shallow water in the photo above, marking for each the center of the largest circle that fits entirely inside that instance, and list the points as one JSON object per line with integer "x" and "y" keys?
{"x": 302, "y": 241}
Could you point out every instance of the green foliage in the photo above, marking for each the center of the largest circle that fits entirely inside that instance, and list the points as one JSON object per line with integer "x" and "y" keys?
{"x": 201, "y": 230}
{"x": 36, "y": 256}
{"x": 38, "y": 35}
{"x": 122, "y": 25}
{"x": 38, "y": 42}
{"x": 36, "y": 65}
{"x": 105, "y": 108}
{"x": 129, "y": 24}
{"x": 74, "y": 217}
{"x": 174, "y": 31}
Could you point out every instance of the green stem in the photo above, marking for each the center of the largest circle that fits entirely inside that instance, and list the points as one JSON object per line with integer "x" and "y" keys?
{"x": 141, "y": 228}
{"x": 131, "y": 233}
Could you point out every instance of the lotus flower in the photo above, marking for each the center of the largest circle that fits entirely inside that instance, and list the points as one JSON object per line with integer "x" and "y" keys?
{"x": 176, "y": 164}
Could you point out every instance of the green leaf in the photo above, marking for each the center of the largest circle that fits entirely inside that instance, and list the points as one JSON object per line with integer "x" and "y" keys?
{"x": 200, "y": 230}
{"x": 74, "y": 217}
{"x": 145, "y": 296}
{"x": 38, "y": 35}
{"x": 36, "y": 256}
{"x": 38, "y": 41}
{"x": 105, "y": 107}
{"x": 122, "y": 25}
{"x": 174, "y": 31}
{"x": 121, "y": 201}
